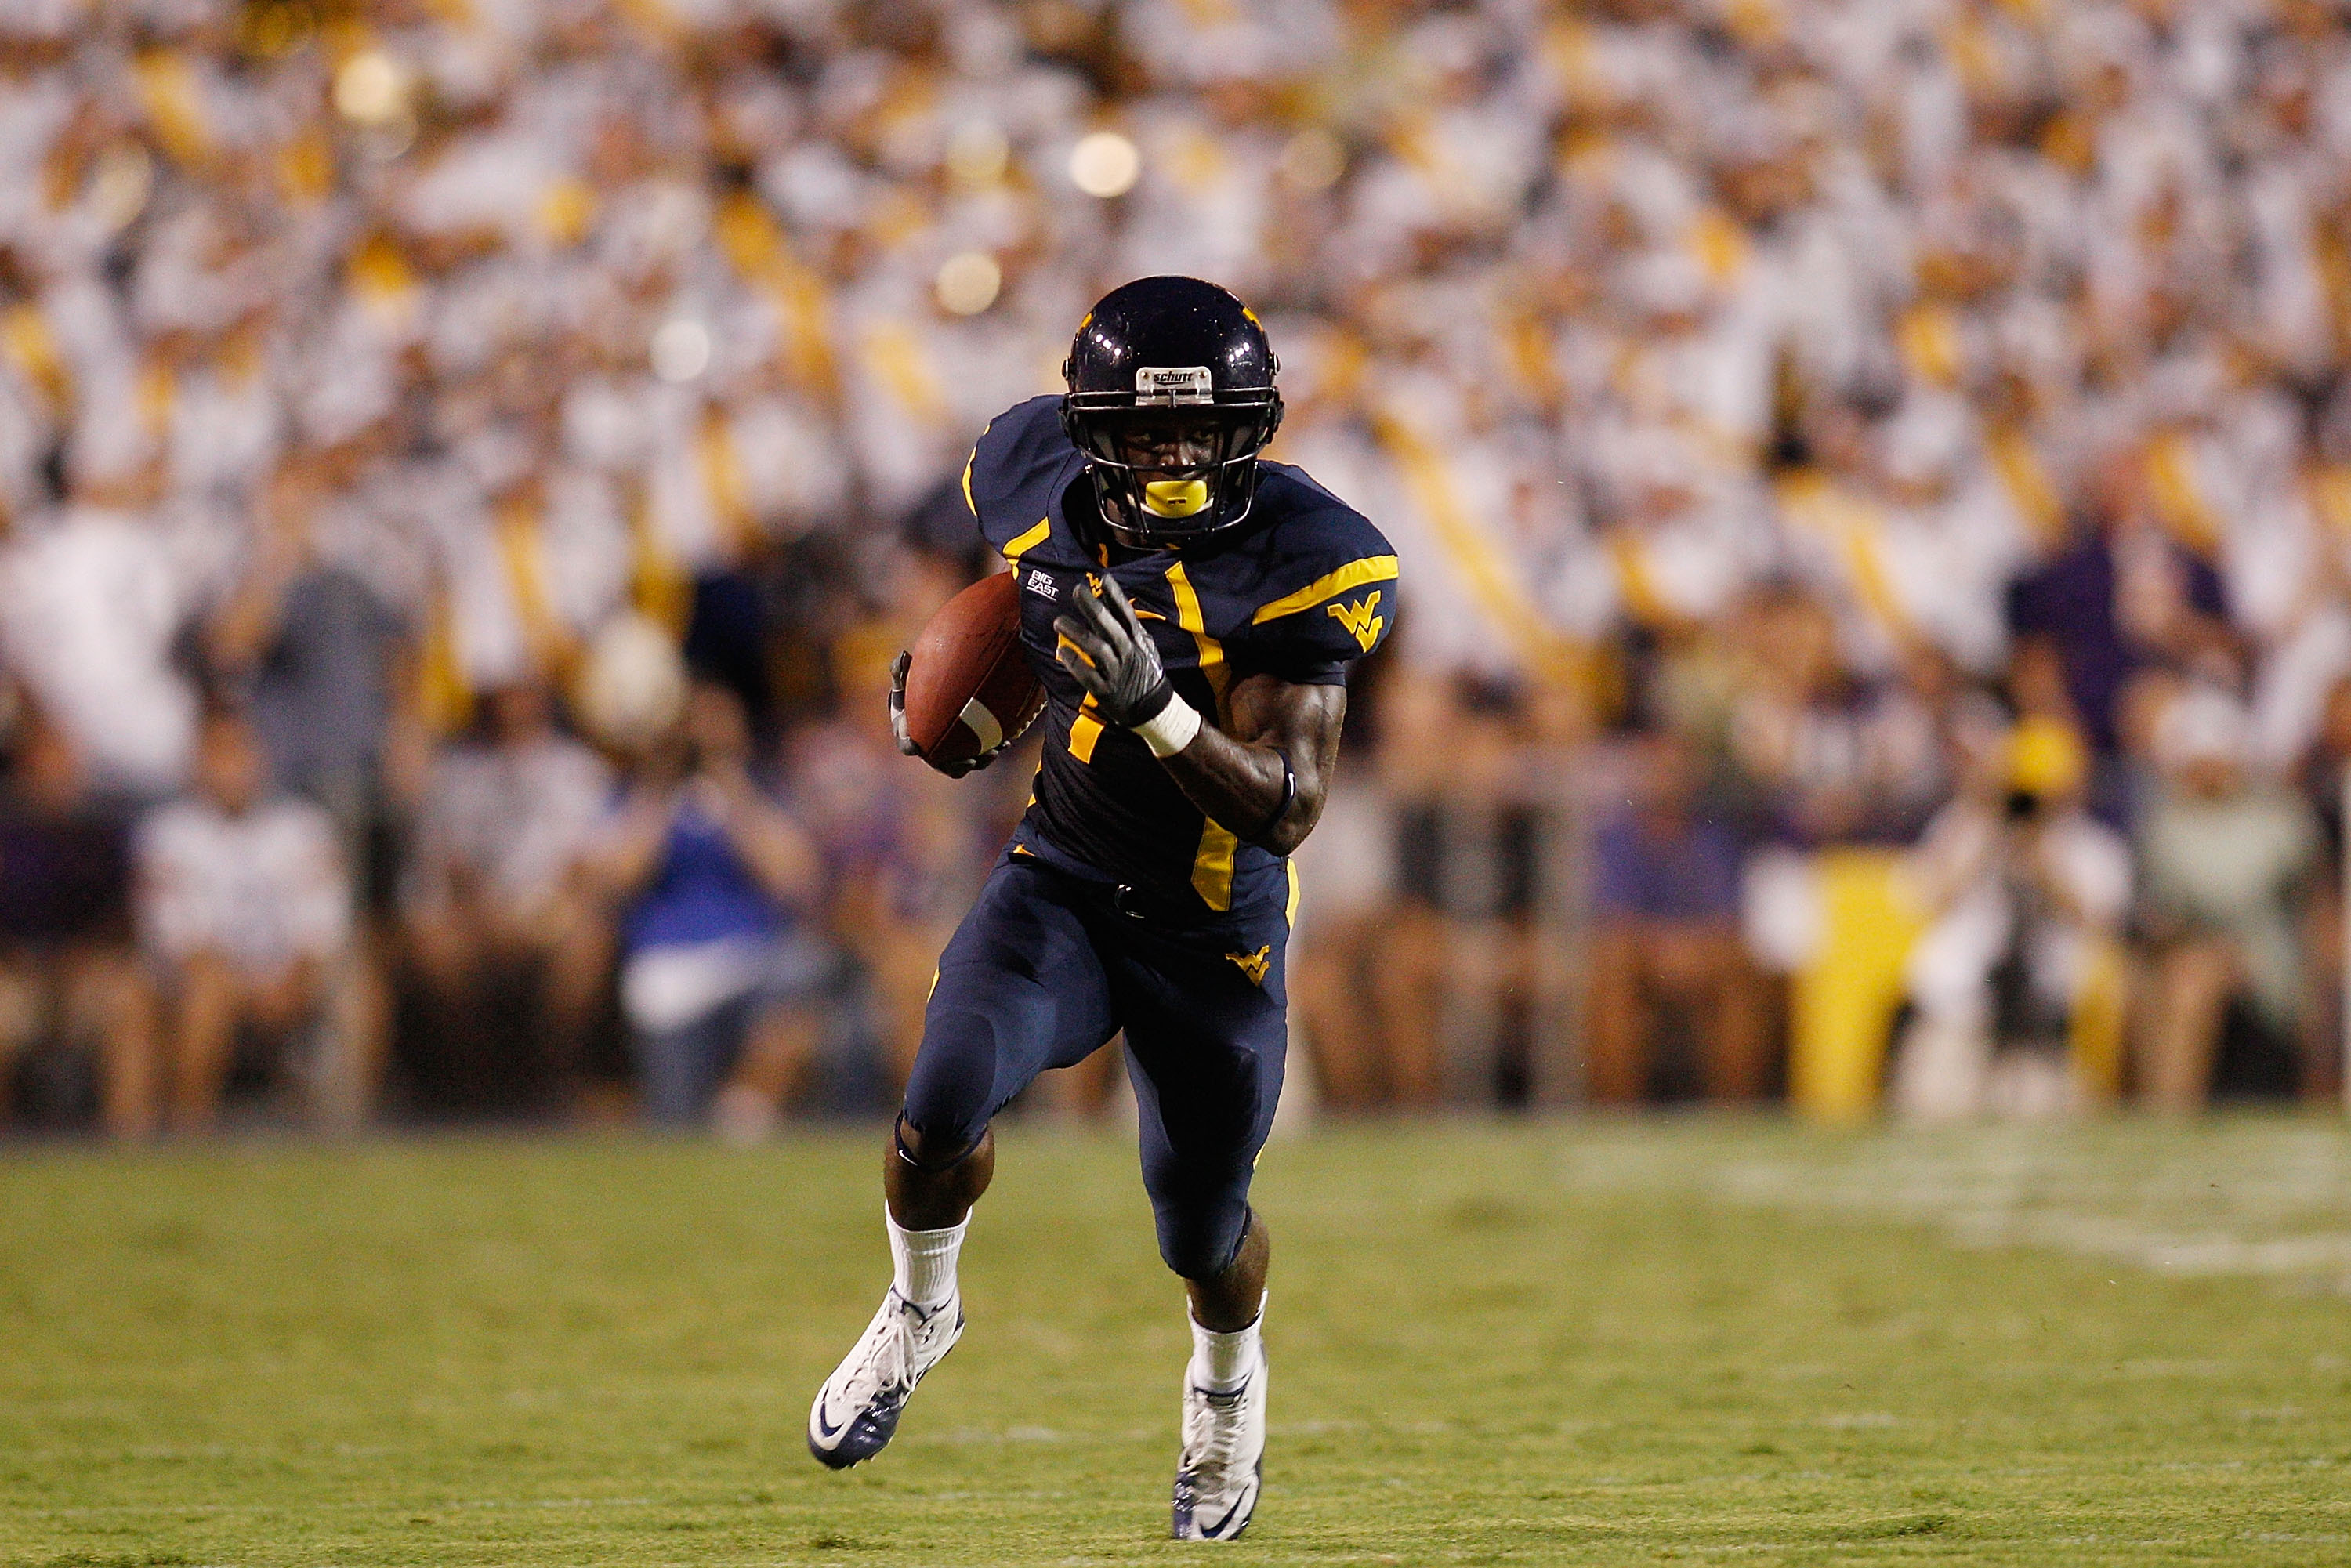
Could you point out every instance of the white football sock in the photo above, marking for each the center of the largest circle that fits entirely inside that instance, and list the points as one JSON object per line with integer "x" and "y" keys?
{"x": 923, "y": 1263}
{"x": 1222, "y": 1361}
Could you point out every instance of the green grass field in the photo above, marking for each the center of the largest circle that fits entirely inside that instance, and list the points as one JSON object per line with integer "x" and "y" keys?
{"x": 1604, "y": 1342}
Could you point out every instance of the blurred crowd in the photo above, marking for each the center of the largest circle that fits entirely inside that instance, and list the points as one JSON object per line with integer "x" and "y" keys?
{"x": 1874, "y": 478}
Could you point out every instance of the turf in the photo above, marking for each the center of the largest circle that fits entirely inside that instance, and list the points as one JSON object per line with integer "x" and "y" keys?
{"x": 1575, "y": 1342}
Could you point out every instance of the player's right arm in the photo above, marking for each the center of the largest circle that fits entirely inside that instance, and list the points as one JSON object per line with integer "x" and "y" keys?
{"x": 1275, "y": 766}
{"x": 1266, "y": 778}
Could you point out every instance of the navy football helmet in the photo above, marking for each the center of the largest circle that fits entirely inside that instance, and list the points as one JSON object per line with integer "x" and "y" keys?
{"x": 1171, "y": 399}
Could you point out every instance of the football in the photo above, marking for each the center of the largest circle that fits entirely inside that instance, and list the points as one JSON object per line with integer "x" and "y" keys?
{"x": 970, "y": 689}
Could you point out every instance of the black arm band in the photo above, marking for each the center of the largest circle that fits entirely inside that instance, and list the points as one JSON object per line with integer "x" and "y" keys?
{"x": 1154, "y": 703}
{"x": 1288, "y": 794}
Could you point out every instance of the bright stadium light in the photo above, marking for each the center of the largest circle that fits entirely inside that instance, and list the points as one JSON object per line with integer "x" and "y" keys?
{"x": 967, "y": 282}
{"x": 371, "y": 87}
{"x": 1105, "y": 164}
{"x": 680, "y": 350}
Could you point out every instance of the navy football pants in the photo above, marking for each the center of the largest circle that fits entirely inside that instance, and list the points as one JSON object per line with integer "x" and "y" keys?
{"x": 1044, "y": 970}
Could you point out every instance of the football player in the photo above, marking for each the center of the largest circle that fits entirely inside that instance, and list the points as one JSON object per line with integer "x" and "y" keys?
{"x": 1191, "y": 609}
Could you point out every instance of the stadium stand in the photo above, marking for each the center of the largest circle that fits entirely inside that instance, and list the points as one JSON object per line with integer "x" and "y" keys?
{"x": 1876, "y": 479}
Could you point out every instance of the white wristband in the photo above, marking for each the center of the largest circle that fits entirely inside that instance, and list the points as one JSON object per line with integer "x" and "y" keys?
{"x": 1172, "y": 728}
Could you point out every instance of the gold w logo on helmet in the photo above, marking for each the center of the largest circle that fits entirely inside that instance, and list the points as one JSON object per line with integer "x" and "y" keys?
{"x": 1359, "y": 619}
{"x": 1254, "y": 965}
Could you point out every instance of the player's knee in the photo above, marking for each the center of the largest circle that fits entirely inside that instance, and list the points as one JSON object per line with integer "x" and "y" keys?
{"x": 936, "y": 1152}
{"x": 1201, "y": 1243}
{"x": 947, "y": 1094}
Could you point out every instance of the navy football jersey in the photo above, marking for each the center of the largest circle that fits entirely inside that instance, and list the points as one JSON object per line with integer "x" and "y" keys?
{"x": 1306, "y": 589}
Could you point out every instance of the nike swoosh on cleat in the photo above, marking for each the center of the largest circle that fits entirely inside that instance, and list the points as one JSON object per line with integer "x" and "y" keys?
{"x": 823, "y": 1427}
{"x": 1216, "y": 1530}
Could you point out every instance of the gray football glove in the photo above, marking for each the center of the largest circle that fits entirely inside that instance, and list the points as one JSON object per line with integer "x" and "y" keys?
{"x": 952, "y": 767}
{"x": 1110, "y": 653}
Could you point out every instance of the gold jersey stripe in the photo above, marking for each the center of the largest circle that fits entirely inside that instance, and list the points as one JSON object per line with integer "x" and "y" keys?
{"x": 1212, "y": 863}
{"x": 1289, "y": 910}
{"x": 1188, "y": 617}
{"x": 1084, "y": 730}
{"x": 969, "y": 505}
{"x": 1355, "y": 574}
{"x": 1024, "y": 542}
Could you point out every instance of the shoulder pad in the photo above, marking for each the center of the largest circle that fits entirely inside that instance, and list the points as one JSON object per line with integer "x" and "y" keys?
{"x": 1017, "y": 471}
{"x": 1327, "y": 582}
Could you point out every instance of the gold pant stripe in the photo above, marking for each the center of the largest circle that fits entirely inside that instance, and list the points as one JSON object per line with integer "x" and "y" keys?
{"x": 1212, "y": 866}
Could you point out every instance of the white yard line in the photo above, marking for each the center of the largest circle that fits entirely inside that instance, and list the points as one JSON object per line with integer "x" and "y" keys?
{"x": 2254, "y": 1200}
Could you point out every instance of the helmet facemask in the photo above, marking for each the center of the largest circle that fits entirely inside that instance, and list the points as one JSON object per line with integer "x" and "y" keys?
{"x": 1176, "y": 460}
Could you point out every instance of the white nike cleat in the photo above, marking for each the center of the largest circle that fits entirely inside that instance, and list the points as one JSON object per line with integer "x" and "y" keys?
{"x": 857, "y": 1409}
{"x": 1223, "y": 1464}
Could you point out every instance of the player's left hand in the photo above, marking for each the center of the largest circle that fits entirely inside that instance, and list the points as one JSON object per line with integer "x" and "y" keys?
{"x": 1105, "y": 646}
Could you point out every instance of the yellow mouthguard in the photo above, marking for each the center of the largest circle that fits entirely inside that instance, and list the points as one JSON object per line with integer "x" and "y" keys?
{"x": 1175, "y": 498}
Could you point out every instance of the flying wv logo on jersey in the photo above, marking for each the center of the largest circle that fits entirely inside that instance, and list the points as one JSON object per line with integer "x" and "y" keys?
{"x": 1254, "y": 965}
{"x": 1359, "y": 619}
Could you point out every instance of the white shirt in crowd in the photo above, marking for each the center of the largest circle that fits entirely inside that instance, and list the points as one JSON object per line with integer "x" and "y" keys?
{"x": 263, "y": 890}
{"x": 1978, "y": 859}
{"x": 88, "y": 610}
{"x": 519, "y": 818}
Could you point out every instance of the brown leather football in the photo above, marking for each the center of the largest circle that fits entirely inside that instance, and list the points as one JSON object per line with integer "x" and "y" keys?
{"x": 969, "y": 687}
